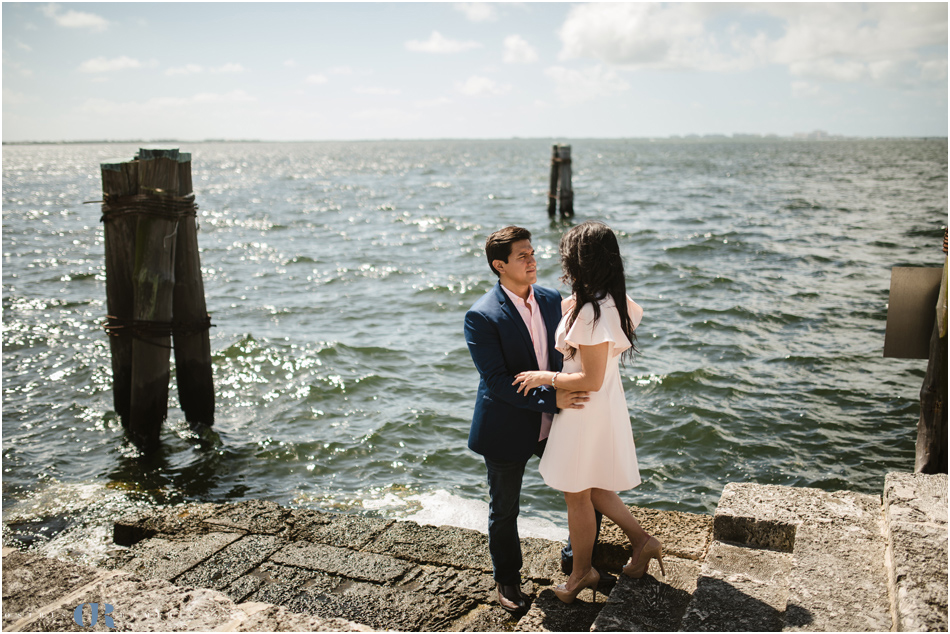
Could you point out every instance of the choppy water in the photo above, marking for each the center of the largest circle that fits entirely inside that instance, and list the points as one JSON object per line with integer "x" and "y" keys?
{"x": 338, "y": 274}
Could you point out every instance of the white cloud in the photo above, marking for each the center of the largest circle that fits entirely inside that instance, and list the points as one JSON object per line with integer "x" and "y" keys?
{"x": 16, "y": 67}
{"x": 375, "y": 90}
{"x": 229, "y": 68}
{"x": 341, "y": 70}
{"x": 577, "y": 86}
{"x": 437, "y": 43}
{"x": 388, "y": 116}
{"x": 479, "y": 86}
{"x": 75, "y": 19}
{"x": 316, "y": 79}
{"x": 24, "y": 47}
{"x": 289, "y": 63}
{"x": 12, "y": 98}
{"x": 104, "y": 107}
{"x": 187, "y": 69}
{"x": 518, "y": 51}
{"x": 934, "y": 70}
{"x": 433, "y": 103}
{"x": 104, "y": 65}
{"x": 477, "y": 11}
{"x": 831, "y": 42}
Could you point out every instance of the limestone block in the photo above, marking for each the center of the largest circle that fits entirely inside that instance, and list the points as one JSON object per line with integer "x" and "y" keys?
{"x": 381, "y": 607}
{"x": 334, "y": 529}
{"x": 140, "y": 605}
{"x": 31, "y": 582}
{"x": 916, "y": 497}
{"x": 768, "y": 516}
{"x": 485, "y": 618}
{"x": 159, "y": 558}
{"x": 548, "y": 614}
{"x": 175, "y": 520}
{"x": 279, "y": 584}
{"x": 740, "y": 589}
{"x": 262, "y": 617}
{"x": 684, "y": 535}
{"x": 838, "y": 581}
{"x": 477, "y": 586}
{"x": 444, "y": 545}
{"x": 916, "y": 512}
{"x": 341, "y": 562}
{"x": 649, "y": 604}
{"x": 225, "y": 566}
{"x": 541, "y": 560}
{"x": 253, "y": 516}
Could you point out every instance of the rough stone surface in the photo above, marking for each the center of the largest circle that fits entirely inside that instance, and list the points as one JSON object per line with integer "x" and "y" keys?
{"x": 740, "y": 589}
{"x": 273, "y": 618}
{"x": 916, "y": 514}
{"x": 159, "y": 558}
{"x": 344, "y": 531}
{"x": 684, "y": 535}
{"x": 382, "y": 607}
{"x": 445, "y": 545}
{"x": 234, "y": 560}
{"x": 185, "y": 519}
{"x": 252, "y": 516}
{"x": 31, "y": 582}
{"x": 653, "y": 603}
{"x": 342, "y": 562}
{"x": 548, "y": 614}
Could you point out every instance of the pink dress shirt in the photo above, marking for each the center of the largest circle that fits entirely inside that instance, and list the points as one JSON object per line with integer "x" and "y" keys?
{"x": 531, "y": 315}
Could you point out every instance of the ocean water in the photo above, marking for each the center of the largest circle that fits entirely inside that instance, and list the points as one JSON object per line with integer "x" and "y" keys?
{"x": 338, "y": 274}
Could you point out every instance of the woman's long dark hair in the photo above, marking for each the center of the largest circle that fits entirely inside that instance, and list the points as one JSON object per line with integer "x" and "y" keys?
{"x": 591, "y": 262}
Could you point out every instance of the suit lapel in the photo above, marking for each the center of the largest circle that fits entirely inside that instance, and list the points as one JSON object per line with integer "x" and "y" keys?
{"x": 511, "y": 311}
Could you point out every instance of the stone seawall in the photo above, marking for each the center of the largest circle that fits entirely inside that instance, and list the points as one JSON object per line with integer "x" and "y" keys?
{"x": 773, "y": 558}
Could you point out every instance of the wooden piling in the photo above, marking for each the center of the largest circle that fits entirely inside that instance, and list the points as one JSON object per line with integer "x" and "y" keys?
{"x": 552, "y": 189}
{"x": 191, "y": 336}
{"x": 565, "y": 190}
{"x": 119, "y": 178}
{"x": 153, "y": 280}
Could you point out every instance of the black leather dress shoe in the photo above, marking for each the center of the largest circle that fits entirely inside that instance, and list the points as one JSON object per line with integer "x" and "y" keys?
{"x": 511, "y": 598}
{"x": 567, "y": 565}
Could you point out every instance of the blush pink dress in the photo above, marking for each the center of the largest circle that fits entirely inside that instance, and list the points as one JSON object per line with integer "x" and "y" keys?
{"x": 593, "y": 447}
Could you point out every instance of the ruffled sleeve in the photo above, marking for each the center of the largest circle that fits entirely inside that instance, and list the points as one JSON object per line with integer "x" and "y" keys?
{"x": 583, "y": 332}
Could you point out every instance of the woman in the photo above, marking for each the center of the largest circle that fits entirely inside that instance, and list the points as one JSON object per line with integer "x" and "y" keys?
{"x": 590, "y": 453}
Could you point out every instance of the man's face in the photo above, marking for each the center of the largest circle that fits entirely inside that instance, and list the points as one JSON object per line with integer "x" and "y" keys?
{"x": 521, "y": 269}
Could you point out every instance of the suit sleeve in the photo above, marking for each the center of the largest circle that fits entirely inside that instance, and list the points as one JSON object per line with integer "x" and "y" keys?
{"x": 484, "y": 344}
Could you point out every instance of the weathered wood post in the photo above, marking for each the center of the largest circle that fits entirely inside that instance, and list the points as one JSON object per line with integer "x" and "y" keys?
{"x": 153, "y": 280}
{"x": 565, "y": 191}
{"x": 119, "y": 181}
{"x": 932, "y": 427}
{"x": 552, "y": 189}
{"x": 191, "y": 320}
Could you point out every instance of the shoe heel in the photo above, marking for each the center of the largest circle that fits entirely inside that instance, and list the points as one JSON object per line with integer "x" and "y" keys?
{"x": 660, "y": 560}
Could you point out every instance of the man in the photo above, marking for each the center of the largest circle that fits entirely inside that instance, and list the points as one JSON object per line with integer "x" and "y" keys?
{"x": 510, "y": 330}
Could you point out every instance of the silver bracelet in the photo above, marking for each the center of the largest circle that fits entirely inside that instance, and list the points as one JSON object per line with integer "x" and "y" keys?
{"x": 553, "y": 379}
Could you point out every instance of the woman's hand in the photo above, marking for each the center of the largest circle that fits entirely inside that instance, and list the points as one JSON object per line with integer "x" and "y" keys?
{"x": 532, "y": 379}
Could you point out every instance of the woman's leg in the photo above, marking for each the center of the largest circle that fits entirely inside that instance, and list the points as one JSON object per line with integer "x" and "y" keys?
{"x": 583, "y": 528}
{"x": 610, "y": 504}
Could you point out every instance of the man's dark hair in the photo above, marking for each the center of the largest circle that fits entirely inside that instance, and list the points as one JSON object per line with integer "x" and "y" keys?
{"x": 498, "y": 244}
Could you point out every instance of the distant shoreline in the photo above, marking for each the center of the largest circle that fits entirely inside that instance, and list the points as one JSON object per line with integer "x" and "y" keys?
{"x": 737, "y": 138}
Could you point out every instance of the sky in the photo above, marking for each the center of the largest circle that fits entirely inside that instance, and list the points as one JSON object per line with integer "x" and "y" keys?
{"x": 358, "y": 70}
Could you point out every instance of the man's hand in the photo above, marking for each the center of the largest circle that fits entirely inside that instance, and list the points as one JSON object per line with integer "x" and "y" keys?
{"x": 572, "y": 400}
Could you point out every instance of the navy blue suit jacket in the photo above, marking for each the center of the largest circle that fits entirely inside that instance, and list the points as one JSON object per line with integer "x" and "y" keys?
{"x": 506, "y": 424}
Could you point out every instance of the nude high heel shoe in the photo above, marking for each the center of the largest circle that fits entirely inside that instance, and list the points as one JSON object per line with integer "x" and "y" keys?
{"x": 590, "y": 580}
{"x": 636, "y": 567}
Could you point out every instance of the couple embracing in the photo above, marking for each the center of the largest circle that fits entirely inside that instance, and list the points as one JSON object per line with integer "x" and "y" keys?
{"x": 550, "y": 386}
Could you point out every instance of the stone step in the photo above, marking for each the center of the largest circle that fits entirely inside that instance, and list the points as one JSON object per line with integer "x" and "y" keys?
{"x": 41, "y": 595}
{"x": 915, "y": 509}
{"x": 825, "y": 552}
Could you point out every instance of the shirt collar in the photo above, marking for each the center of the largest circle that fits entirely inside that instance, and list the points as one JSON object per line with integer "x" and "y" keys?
{"x": 517, "y": 300}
